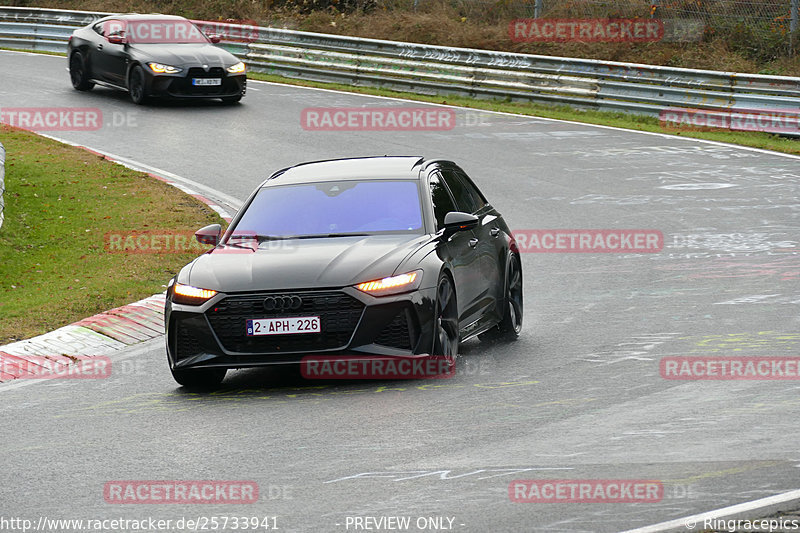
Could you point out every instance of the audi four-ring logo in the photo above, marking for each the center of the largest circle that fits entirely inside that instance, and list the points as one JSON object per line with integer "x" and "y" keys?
{"x": 271, "y": 303}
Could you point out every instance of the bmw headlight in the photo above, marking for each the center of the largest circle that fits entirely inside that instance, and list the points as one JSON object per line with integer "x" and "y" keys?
{"x": 238, "y": 68}
{"x": 158, "y": 68}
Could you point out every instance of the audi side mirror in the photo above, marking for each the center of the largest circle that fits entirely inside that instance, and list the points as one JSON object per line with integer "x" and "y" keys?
{"x": 456, "y": 221}
{"x": 209, "y": 234}
{"x": 214, "y": 38}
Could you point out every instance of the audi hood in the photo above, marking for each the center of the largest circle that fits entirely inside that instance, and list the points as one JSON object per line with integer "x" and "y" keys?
{"x": 303, "y": 263}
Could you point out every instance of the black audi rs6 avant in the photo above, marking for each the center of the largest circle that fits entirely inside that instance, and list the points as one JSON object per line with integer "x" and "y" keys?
{"x": 154, "y": 55}
{"x": 375, "y": 256}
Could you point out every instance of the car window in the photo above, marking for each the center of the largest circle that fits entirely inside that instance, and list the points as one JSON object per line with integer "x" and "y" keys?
{"x": 363, "y": 207}
{"x": 164, "y": 31}
{"x": 466, "y": 200}
{"x": 441, "y": 199}
{"x": 480, "y": 199}
{"x": 110, "y": 27}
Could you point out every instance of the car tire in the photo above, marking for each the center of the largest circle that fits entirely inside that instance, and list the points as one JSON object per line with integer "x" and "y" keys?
{"x": 510, "y": 325}
{"x": 232, "y": 99}
{"x": 78, "y": 73}
{"x": 199, "y": 378}
{"x": 136, "y": 85}
{"x": 445, "y": 320}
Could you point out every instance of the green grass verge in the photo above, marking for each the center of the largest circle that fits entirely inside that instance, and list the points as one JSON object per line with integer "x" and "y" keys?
{"x": 60, "y": 202}
{"x": 629, "y": 121}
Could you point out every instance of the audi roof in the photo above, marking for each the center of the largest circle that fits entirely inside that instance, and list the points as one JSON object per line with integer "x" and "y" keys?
{"x": 358, "y": 168}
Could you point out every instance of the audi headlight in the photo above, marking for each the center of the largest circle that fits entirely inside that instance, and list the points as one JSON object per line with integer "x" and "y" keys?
{"x": 186, "y": 294}
{"x": 158, "y": 68}
{"x": 392, "y": 285}
{"x": 238, "y": 68}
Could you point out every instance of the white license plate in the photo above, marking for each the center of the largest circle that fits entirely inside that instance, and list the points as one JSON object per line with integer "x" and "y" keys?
{"x": 206, "y": 81}
{"x": 289, "y": 325}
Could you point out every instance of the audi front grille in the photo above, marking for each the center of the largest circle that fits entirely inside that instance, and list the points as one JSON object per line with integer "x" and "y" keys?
{"x": 339, "y": 315}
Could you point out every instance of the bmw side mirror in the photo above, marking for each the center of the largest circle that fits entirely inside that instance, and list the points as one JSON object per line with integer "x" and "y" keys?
{"x": 456, "y": 221}
{"x": 116, "y": 38}
{"x": 208, "y": 235}
{"x": 214, "y": 38}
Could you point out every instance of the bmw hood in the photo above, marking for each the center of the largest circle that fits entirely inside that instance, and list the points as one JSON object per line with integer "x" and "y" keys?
{"x": 301, "y": 263}
{"x": 184, "y": 55}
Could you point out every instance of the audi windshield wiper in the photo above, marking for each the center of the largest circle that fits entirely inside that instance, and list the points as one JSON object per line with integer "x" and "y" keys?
{"x": 326, "y": 235}
{"x": 248, "y": 239}
{"x": 261, "y": 238}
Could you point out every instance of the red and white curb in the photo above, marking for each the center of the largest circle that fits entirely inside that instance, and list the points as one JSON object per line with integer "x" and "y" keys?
{"x": 754, "y": 510}
{"x": 98, "y": 335}
{"x": 114, "y": 330}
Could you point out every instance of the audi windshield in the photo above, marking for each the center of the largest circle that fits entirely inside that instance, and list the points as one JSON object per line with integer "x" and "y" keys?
{"x": 332, "y": 209}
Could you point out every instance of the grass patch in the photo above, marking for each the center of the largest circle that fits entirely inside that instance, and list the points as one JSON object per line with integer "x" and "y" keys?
{"x": 60, "y": 201}
{"x": 764, "y": 141}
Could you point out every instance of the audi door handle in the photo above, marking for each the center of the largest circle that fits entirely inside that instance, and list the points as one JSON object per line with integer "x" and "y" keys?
{"x": 473, "y": 243}
{"x": 494, "y": 232}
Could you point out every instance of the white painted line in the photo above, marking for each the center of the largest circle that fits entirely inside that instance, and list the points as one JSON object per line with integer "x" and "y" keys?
{"x": 38, "y": 54}
{"x": 788, "y": 501}
{"x": 475, "y": 109}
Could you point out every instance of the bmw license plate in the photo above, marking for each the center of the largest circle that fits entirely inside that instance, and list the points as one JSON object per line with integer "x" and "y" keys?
{"x": 206, "y": 81}
{"x": 283, "y": 326}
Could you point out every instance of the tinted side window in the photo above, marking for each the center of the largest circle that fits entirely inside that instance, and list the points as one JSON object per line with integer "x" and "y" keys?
{"x": 465, "y": 201}
{"x": 480, "y": 199}
{"x": 98, "y": 28}
{"x": 442, "y": 202}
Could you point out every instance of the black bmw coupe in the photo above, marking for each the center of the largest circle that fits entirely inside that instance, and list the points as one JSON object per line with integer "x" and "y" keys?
{"x": 154, "y": 55}
{"x": 387, "y": 256}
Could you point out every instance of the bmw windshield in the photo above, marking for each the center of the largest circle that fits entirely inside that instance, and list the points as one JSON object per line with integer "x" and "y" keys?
{"x": 164, "y": 31}
{"x": 333, "y": 209}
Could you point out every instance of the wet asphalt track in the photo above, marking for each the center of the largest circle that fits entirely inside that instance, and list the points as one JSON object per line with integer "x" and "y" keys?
{"x": 578, "y": 396}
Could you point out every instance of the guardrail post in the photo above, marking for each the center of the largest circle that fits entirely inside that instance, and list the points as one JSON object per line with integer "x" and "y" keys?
{"x": 793, "y": 24}
{"x": 538, "y": 8}
{"x": 2, "y": 182}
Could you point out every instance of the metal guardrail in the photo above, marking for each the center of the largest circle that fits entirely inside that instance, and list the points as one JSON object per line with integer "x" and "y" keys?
{"x": 427, "y": 69}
